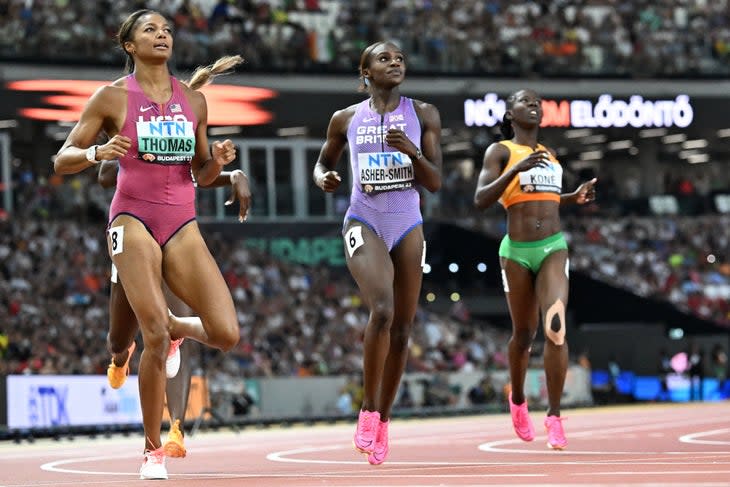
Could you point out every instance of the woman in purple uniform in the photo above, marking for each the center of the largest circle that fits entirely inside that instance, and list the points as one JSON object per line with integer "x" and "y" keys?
{"x": 394, "y": 145}
{"x": 157, "y": 128}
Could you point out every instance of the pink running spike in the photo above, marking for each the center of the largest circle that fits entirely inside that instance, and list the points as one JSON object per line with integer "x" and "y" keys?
{"x": 521, "y": 420}
{"x": 381, "y": 450}
{"x": 556, "y": 435}
{"x": 367, "y": 428}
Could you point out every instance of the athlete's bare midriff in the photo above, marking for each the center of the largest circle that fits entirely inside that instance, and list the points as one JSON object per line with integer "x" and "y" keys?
{"x": 533, "y": 220}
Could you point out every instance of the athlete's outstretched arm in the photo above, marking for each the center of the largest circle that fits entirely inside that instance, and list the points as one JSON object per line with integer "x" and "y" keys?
{"x": 585, "y": 193}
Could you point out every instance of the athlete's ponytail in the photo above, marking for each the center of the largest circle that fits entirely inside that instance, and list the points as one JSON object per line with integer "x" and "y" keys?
{"x": 506, "y": 128}
{"x": 506, "y": 125}
{"x": 205, "y": 74}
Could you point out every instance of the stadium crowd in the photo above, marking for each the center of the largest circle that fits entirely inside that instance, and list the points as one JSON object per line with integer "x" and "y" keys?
{"x": 295, "y": 320}
{"x": 562, "y": 37}
{"x": 298, "y": 320}
{"x": 684, "y": 260}
{"x": 305, "y": 320}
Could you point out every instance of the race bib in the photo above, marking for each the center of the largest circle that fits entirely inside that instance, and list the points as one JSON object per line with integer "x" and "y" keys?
{"x": 166, "y": 141}
{"x": 384, "y": 171}
{"x": 116, "y": 239}
{"x": 542, "y": 179}
{"x": 353, "y": 239}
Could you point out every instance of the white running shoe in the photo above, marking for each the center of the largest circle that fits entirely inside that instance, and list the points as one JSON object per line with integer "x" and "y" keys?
{"x": 153, "y": 466}
{"x": 172, "y": 365}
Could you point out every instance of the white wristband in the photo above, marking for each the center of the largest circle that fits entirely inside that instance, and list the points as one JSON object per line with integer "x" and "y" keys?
{"x": 231, "y": 176}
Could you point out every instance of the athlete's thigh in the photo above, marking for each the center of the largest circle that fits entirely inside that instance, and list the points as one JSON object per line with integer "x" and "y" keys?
{"x": 552, "y": 280}
{"x": 519, "y": 288}
{"x": 408, "y": 258}
{"x": 176, "y": 305}
{"x": 369, "y": 263}
{"x": 193, "y": 275}
{"x": 138, "y": 259}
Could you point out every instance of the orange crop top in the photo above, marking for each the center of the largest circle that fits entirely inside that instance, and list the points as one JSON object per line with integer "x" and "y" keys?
{"x": 537, "y": 184}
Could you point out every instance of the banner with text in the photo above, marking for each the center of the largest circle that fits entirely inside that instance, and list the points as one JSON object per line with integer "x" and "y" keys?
{"x": 46, "y": 401}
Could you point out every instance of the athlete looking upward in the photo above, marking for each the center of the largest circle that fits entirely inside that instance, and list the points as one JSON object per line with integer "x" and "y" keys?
{"x": 394, "y": 145}
{"x": 526, "y": 178}
{"x": 157, "y": 128}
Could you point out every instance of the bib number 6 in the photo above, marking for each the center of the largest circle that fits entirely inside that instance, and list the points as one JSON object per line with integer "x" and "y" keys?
{"x": 353, "y": 239}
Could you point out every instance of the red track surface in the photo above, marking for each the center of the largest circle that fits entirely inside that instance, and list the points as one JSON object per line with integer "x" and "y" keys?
{"x": 652, "y": 445}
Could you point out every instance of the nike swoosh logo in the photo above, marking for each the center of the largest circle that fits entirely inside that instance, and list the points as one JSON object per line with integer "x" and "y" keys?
{"x": 371, "y": 119}
{"x": 144, "y": 109}
{"x": 547, "y": 249}
{"x": 379, "y": 455}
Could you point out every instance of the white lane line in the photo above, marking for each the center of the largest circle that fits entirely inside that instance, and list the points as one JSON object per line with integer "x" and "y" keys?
{"x": 56, "y": 466}
{"x": 692, "y": 437}
{"x": 639, "y": 473}
{"x": 493, "y": 446}
{"x": 285, "y": 456}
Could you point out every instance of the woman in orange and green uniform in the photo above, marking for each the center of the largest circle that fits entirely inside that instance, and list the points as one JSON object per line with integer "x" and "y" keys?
{"x": 526, "y": 178}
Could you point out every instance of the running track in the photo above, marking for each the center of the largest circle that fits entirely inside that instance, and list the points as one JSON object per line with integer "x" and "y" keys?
{"x": 649, "y": 445}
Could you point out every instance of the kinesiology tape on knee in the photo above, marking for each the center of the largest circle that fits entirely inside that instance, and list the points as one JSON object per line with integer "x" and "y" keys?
{"x": 555, "y": 323}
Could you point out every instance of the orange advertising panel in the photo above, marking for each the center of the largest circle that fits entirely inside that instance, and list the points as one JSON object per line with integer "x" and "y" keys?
{"x": 227, "y": 104}
{"x": 197, "y": 399}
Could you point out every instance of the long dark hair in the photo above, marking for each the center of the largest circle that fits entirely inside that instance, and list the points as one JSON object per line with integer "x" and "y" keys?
{"x": 126, "y": 31}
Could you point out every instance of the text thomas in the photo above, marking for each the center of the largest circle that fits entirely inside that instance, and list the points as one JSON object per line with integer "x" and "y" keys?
{"x": 166, "y": 136}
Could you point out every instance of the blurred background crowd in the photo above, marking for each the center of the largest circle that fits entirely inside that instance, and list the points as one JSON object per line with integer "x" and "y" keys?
{"x": 295, "y": 320}
{"x": 299, "y": 320}
{"x": 632, "y": 38}
{"x": 302, "y": 320}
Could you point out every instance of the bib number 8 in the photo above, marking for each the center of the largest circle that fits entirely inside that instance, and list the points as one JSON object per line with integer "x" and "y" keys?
{"x": 116, "y": 239}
